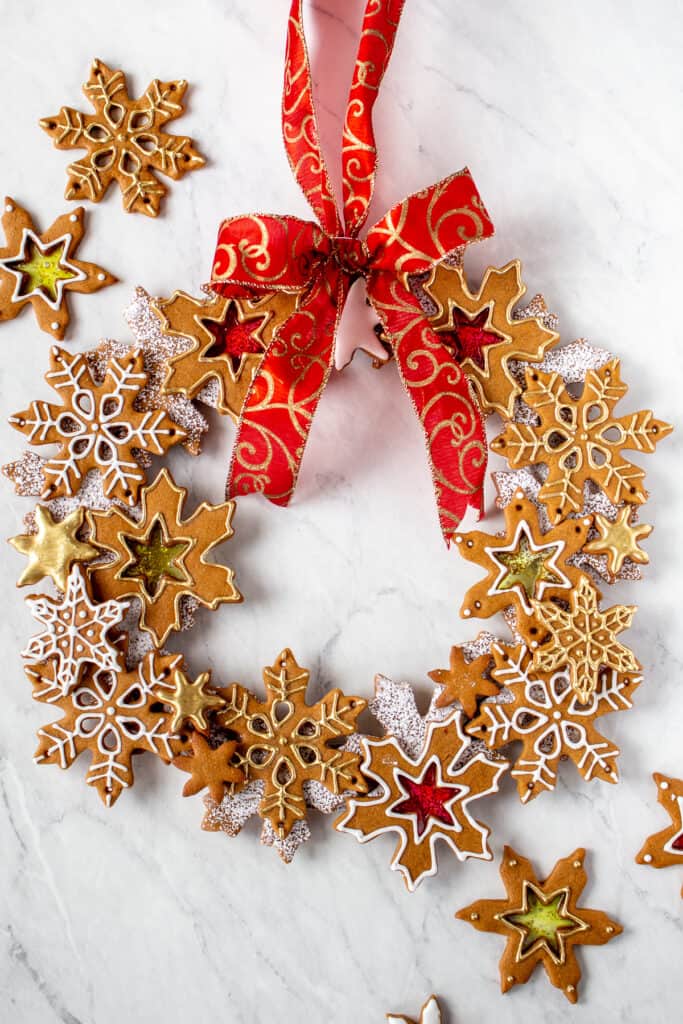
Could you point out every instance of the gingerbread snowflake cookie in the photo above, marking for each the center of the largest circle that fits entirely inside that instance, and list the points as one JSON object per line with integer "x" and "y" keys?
{"x": 665, "y": 848}
{"x": 75, "y": 632}
{"x": 96, "y": 426}
{"x": 40, "y": 268}
{"x": 547, "y": 717}
{"x": 125, "y": 140}
{"x": 482, "y": 331}
{"x": 581, "y": 439}
{"x": 114, "y": 714}
{"x": 225, "y": 339}
{"x": 293, "y": 755}
{"x": 160, "y": 556}
{"x": 423, "y": 776}
{"x": 541, "y": 921}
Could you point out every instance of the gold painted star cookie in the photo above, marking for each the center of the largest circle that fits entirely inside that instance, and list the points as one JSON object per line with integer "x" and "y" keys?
{"x": 124, "y": 140}
{"x": 665, "y": 848}
{"x": 41, "y": 268}
{"x": 190, "y": 700}
{"x": 53, "y": 548}
{"x": 541, "y": 921}
{"x": 619, "y": 539}
{"x": 160, "y": 558}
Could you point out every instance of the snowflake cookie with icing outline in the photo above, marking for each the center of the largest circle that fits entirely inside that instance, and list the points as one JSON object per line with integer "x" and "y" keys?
{"x": 41, "y": 268}
{"x": 75, "y": 633}
{"x": 96, "y": 426}
{"x": 124, "y": 140}
{"x": 546, "y": 715}
{"x": 423, "y": 795}
{"x": 114, "y": 715}
{"x": 541, "y": 921}
{"x": 665, "y": 848}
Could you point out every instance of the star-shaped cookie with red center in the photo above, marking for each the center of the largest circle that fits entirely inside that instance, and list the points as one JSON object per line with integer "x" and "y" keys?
{"x": 665, "y": 848}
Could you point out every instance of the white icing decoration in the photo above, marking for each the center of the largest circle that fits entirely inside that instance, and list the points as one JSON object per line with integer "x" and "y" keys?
{"x": 77, "y": 275}
{"x": 75, "y": 632}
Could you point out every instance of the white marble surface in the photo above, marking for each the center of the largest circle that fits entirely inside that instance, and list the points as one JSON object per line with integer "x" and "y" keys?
{"x": 569, "y": 117}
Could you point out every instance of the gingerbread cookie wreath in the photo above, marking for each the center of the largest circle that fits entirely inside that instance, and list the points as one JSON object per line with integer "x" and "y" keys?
{"x": 131, "y": 566}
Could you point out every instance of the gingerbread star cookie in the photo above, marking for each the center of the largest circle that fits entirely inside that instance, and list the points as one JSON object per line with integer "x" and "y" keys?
{"x": 546, "y": 715}
{"x": 160, "y": 556}
{"x": 666, "y": 847}
{"x": 228, "y": 337}
{"x": 191, "y": 701}
{"x": 466, "y": 681}
{"x": 541, "y": 921}
{"x": 480, "y": 328}
{"x": 40, "y": 268}
{"x": 619, "y": 540}
{"x": 210, "y": 767}
{"x": 96, "y": 426}
{"x": 581, "y": 439}
{"x": 124, "y": 140}
{"x": 524, "y": 565}
{"x": 54, "y": 548}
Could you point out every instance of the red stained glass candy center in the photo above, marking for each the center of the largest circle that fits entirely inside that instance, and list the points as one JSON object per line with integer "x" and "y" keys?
{"x": 233, "y": 339}
{"x": 469, "y": 337}
{"x": 426, "y": 799}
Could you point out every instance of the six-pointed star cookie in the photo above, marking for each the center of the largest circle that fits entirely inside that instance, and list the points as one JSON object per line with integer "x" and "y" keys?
{"x": 53, "y": 548}
{"x": 41, "y": 267}
{"x": 209, "y": 767}
{"x": 523, "y": 565}
{"x": 541, "y": 921}
{"x": 666, "y": 847}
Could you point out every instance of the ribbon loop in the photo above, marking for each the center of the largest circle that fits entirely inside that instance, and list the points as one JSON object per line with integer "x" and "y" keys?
{"x": 319, "y": 262}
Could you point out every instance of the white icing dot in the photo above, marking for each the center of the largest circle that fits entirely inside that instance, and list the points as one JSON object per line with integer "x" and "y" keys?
{"x": 467, "y": 613}
{"x": 663, "y": 785}
{"x": 73, "y": 217}
{"x": 557, "y": 714}
{"x": 101, "y": 277}
{"x": 54, "y": 325}
{"x": 458, "y": 540}
{"x": 110, "y": 711}
{"x": 648, "y": 858}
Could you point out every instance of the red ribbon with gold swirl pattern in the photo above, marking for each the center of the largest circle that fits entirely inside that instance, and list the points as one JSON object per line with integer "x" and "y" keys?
{"x": 320, "y": 261}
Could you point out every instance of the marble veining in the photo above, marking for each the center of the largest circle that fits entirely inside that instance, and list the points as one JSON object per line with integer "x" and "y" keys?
{"x": 568, "y": 116}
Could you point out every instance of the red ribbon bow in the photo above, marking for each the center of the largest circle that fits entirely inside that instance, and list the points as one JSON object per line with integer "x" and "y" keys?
{"x": 321, "y": 261}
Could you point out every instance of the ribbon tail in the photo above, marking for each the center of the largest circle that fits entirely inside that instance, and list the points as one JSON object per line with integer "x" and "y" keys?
{"x": 445, "y": 406}
{"x": 284, "y": 394}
